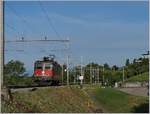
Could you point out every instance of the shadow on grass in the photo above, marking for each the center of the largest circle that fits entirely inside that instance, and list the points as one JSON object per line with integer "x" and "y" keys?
{"x": 143, "y": 108}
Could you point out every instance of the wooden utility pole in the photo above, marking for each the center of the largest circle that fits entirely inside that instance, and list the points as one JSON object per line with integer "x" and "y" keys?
{"x": 1, "y": 41}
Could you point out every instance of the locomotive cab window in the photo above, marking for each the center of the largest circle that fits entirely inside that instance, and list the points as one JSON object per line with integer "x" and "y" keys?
{"x": 48, "y": 66}
{"x": 38, "y": 66}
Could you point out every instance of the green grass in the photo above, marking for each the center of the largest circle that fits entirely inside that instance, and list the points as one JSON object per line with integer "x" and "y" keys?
{"x": 139, "y": 78}
{"x": 91, "y": 98}
{"x": 53, "y": 100}
{"x": 112, "y": 100}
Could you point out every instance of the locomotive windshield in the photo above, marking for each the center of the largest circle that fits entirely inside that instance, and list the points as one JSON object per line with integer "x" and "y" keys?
{"x": 48, "y": 66}
{"x": 38, "y": 65}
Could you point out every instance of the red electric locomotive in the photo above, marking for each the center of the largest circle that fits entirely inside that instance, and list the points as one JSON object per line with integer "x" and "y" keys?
{"x": 46, "y": 70}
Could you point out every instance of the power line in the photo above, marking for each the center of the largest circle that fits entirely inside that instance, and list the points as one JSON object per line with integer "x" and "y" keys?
{"x": 21, "y": 50}
{"x": 49, "y": 20}
{"x": 21, "y": 18}
{"x": 12, "y": 28}
{"x": 45, "y": 40}
{"x": 17, "y": 50}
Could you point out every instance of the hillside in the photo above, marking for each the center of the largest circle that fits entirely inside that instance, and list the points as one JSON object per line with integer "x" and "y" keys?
{"x": 139, "y": 78}
{"x": 73, "y": 99}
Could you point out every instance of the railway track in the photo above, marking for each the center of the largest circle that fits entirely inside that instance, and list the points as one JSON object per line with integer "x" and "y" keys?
{"x": 25, "y": 86}
{"x": 14, "y": 88}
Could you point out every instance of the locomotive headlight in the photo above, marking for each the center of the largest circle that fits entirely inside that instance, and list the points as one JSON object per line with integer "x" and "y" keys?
{"x": 43, "y": 72}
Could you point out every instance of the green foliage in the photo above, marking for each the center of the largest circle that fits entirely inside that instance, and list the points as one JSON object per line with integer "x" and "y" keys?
{"x": 16, "y": 80}
{"x": 127, "y": 62}
{"x": 51, "y": 100}
{"x": 106, "y": 66}
{"x": 14, "y": 74}
{"x": 115, "y": 101}
{"x": 139, "y": 78}
{"x": 138, "y": 66}
{"x": 112, "y": 76}
{"x": 14, "y": 68}
{"x": 114, "y": 67}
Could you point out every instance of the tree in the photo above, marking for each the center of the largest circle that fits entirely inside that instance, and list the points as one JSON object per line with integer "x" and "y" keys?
{"x": 127, "y": 62}
{"x": 114, "y": 67}
{"x": 14, "y": 73}
{"x": 134, "y": 61}
{"x": 106, "y": 66}
{"x": 14, "y": 68}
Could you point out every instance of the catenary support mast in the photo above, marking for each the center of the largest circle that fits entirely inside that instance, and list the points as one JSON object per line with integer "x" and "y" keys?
{"x": 1, "y": 41}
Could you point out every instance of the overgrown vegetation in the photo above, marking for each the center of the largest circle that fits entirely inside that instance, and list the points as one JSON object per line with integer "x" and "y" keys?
{"x": 52, "y": 100}
{"x": 18, "y": 80}
{"x": 138, "y": 66}
{"x": 116, "y": 101}
{"x": 72, "y": 99}
{"x": 139, "y": 78}
{"x": 14, "y": 74}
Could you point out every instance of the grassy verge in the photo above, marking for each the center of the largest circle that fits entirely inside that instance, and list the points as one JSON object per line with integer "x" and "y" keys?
{"x": 139, "y": 78}
{"x": 91, "y": 98}
{"x": 65, "y": 99}
{"x": 116, "y": 101}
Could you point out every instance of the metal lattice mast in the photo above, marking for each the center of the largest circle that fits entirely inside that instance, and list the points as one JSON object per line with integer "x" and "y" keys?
{"x": 67, "y": 46}
{"x": 123, "y": 74}
{"x": 103, "y": 73}
{"x": 91, "y": 73}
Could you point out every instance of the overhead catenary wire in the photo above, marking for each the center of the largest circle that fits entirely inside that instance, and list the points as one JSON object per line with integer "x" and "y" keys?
{"x": 17, "y": 50}
{"x": 27, "y": 23}
{"x": 12, "y": 28}
{"x": 45, "y": 40}
{"x": 21, "y": 19}
{"x": 23, "y": 40}
{"x": 49, "y": 20}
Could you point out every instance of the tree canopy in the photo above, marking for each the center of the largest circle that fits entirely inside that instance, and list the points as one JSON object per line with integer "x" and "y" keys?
{"x": 14, "y": 68}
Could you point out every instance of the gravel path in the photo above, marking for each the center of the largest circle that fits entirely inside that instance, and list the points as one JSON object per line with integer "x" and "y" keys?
{"x": 139, "y": 91}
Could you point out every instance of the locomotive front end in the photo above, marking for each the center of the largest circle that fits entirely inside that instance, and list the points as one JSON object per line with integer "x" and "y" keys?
{"x": 43, "y": 71}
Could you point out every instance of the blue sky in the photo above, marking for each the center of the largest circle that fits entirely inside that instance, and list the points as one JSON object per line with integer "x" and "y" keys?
{"x": 99, "y": 31}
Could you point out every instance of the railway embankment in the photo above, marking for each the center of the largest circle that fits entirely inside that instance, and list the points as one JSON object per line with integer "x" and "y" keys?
{"x": 73, "y": 99}
{"x": 50, "y": 99}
